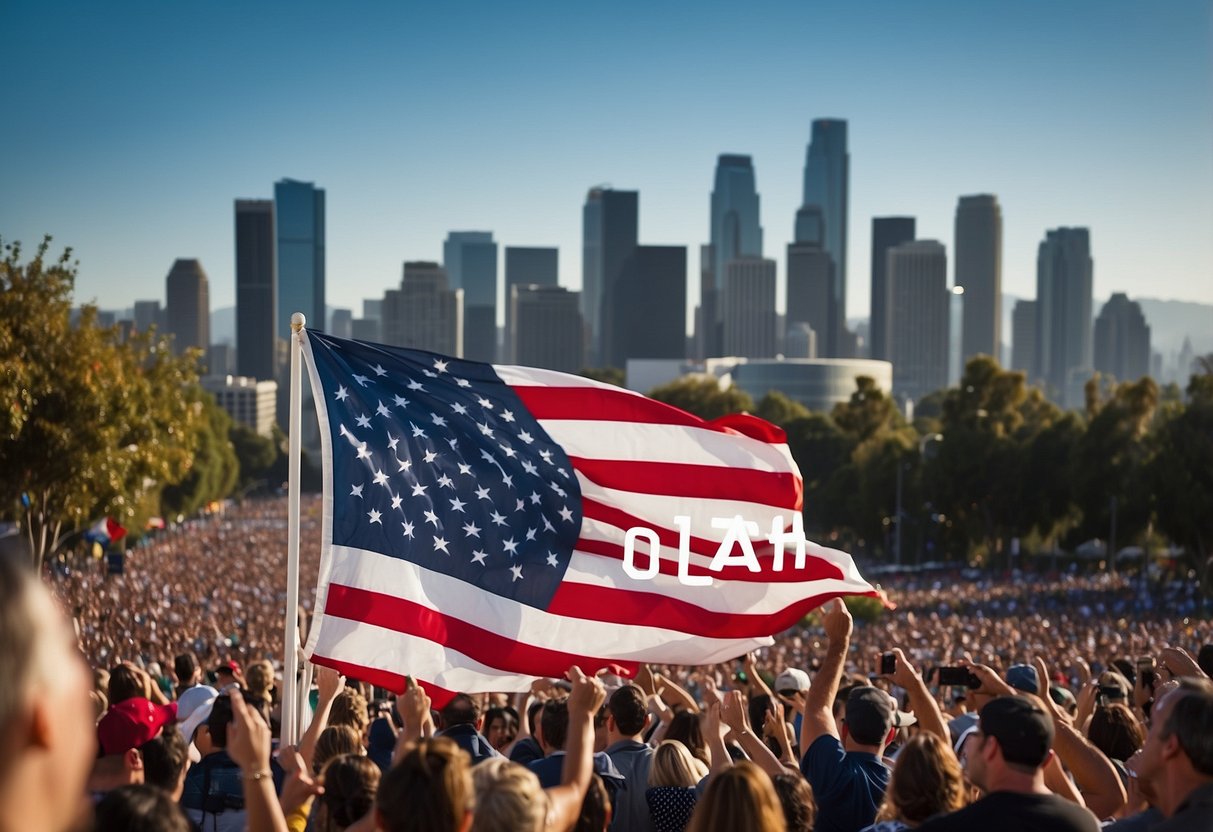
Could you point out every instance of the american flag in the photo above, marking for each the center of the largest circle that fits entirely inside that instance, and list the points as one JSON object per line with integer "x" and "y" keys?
{"x": 474, "y": 520}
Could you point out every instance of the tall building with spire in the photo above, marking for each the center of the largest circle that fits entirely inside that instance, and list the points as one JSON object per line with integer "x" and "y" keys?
{"x": 827, "y": 173}
{"x": 978, "y": 268}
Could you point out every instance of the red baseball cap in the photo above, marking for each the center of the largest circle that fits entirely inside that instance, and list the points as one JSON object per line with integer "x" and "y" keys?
{"x": 231, "y": 666}
{"x": 131, "y": 723}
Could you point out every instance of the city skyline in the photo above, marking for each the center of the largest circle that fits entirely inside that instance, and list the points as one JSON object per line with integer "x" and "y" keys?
{"x": 407, "y": 152}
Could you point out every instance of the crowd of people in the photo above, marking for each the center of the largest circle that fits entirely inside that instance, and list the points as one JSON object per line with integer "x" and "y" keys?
{"x": 1054, "y": 702}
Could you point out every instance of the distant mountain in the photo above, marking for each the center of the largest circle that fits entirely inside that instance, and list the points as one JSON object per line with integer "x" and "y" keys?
{"x": 1170, "y": 322}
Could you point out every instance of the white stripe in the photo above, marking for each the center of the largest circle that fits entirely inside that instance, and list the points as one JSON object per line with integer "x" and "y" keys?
{"x": 679, "y": 444}
{"x": 516, "y": 376}
{"x": 749, "y": 597}
{"x": 373, "y": 572}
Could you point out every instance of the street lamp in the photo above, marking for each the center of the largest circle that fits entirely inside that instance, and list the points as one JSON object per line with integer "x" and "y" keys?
{"x": 922, "y": 446}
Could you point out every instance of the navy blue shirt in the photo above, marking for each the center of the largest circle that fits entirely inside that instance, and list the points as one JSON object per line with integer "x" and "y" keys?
{"x": 848, "y": 786}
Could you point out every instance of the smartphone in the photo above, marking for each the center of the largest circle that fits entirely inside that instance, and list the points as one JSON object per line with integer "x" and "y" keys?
{"x": 1145, "y": 663}
{"x": 888, "y": 664}
{"x": 958, "y": 677}
{"x": 1111, "y": 692}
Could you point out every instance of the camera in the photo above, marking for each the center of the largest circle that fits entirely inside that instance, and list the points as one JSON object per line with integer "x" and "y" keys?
{"x": 888, "y": 664}
{"x": 958, "y": 677}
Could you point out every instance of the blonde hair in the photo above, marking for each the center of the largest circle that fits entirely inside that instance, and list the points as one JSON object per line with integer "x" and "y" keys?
{"x": 508, "y": 798}
{"x": 349, "y": 708}
{"x": 674, "y": 765}
{"x": 260, "y": 678}
{"x": 739, "y": 799}
{"x": 333, "y": 742}
{"x": 926, "y": 780}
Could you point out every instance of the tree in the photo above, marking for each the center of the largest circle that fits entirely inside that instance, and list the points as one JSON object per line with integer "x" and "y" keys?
{"x": 703, "y": 396}
{"x": 778, "y": 409}
{"x": 92, "y": 423}
{"x": 821, "y": 451}
{"x": 607, "y": 375}
{"x": 255, "y": 453}
{"x": 1181, "y": 477}
{"x": 215, "y": 468}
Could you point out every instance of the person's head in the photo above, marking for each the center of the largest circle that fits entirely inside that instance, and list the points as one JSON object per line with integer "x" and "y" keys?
{"x": 350, "y": 785}
{"x": 227, "y": 673}
{"x": 595, "y": 813}
{"x": 139, "y": 808}
{"x": 926, "y": 780}
{"x": 627, "y": 713}
{"x": 165, "y": 759}
{"x": 125, "y": 683}
{"x": 47, "y": 734}
{"x": 739, "y": 799}
{"x": 429, "y": 790}
{"x": 335, "y": 741}
{"x": 1013, "y": 735}
{"x": 1115, "y": 731}
{"x": 131, "y": 723}
{"x": 1177, "y": 756}
{"x": 674, "y": 765}
{"x": 259, "y": 680}
{"x": 872, "y": 718}
{"x": 685, "y": 728}
{"x": 508, "y": 798}
{"x": 1116, "y": 685}
{"x": 350, "y": 708}
{"x": 555, "y": 723}
{"x": 497, "y": 727}
{"x": 796, "y": 798}
{"x": 461, "y": 710}
{"x": 211, "y": 735}
{"x": 185, "y": 668}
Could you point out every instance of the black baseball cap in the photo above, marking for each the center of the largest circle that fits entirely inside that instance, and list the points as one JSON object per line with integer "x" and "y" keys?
{"x": 1023, "y": 730}
{"x": 871, "y": 712}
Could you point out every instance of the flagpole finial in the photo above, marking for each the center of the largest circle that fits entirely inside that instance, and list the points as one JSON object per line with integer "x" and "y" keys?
{"x": 297, "y": 321}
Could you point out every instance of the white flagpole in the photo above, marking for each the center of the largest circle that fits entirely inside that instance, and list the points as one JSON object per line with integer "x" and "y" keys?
{"x": 290, "y": 661}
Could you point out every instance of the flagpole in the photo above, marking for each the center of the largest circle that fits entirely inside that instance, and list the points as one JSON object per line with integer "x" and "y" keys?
{"x": 290, "y": 661}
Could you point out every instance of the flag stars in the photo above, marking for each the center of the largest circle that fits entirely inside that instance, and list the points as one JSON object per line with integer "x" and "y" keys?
{"x": 535, "y": 498}
{"x": 463, "y": 382}
{"x": 497, "y": 518}
{"x": 547, "y": 525}
{"x": 374, "y": 516}
{"x": 508, "y": 451}
{"x": 487, "y": 404}
{"x": 526, "y": 437}
{"x": 445, "y": 482}
{"x": 356, "y": 491}
{"x": 440, "y": 545}
{"x": 552, "y": 559}
{"x": 478, "y": 556}
{"x": 508, "y": 415}
{"x": 530, "y": 533}
{"x": 382, "y": 410}
{"x": 400, "y": 401}
{"x": 380, "y": 478}
{"x": 396, "y": 500}
{"x": 482, "y": 493}
{"x": 430, "y": 456}
{"x": 510, "y": 546}
{"x": 519, "y": 505}
{"x": 529, "y": 467}
{"x": 393, "y": 441}
{"x": 418, "y": 433}
{"x": 405, "y": 464}
{"x": 485, "y": 429}
{"x": 408, "y": 530}
{"x": 517, "y": 570}
{"x": 431, "y": 517}
{"x": 457, "y": 505}
{"x": 414, "y": 384}
{"x": 439, "y": 421}
{"x": 508, "y": 480}
{"x": 362, "y": 380}
{"x": 471, "y": 530}
{"x": 342, "y": 394}
{"x": 566, "y": 514}
{"x": 547, "y": 456}
{"x": 460, "y": 409}
{"x": 556, "y": 488}
{"x": 379, "y": 371}
{"x": 464, "y": 468}
{"x": 419, "y": 490}
{"x": 440, "y": 365}
{"x": 364, "y": 421}
{"x": 429, "y": 374}
{"x": 363, "y": 453}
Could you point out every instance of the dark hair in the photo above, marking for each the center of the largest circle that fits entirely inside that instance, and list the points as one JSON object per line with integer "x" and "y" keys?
{"x": 221, "y": 717}
{"x": 927, "y": 780}
{"x": 1125, "y": 668}
{"x": 350, "y": 784}
{"x": 184, "y": 666}
{"x": 628, "y": 709}
{"x": 758, "y": 707}
{"x": 555, "y": 723}
{"x": 124, "y": 684}
{"x": 685, "y": 728}
{"x": 595, "y": 808}
{"x": 461, "y": 710}
{"x": 1191, "y": 720}
{"x": 1204, "y": 659}
{"x": 139, "y": 808}
{"x": 1115, "y": 731}
{"x": 796, "y": 798}
{"x": 532, "y": 713}
{"x": 164, "y": 758}
{"x": 429, "y": 790}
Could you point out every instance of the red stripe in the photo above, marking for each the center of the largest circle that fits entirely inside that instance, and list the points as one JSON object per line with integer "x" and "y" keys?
{"x": 709, "y": 482}
{"x": 815, "y": 568}
{"x": 652, "y": 609}
{"x": 602, "y": 405}
{"x": 385, "y": 679}
{"x": 484, "y": 646}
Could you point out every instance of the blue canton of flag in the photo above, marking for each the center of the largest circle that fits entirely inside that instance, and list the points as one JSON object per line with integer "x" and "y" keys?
{"x": 436, "y": 461}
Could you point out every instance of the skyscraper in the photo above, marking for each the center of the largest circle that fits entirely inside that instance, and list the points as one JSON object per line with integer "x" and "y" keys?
{"x": 299, "y": 226}
{"x": 424, "y": 313}
{"x": 917, "y": 275}
{"x": 548, "y": 331}
{"x": 1064, "y": 275}
{"x": 736, "y": 230}
{"x": 887, "y": 232}
{"x": 749, "y": 308}
{"x": 827, "y": 173}
{"x": 528, "y": 266}
{"x": 978, "y": 268}
{"x": 187, "y": 309}
{"x": 810, "y": 298}
{"x": 148, "y": 314}
{"x": 1122, "y": 339}
{"x": 1023, "y": 338}
{"x": 650, "y": 306}
{"x": 591, "y": 272}
{"x": 257, "y": 290}
{"x": 618, "y": 213}
{"x": 470, "y": 258}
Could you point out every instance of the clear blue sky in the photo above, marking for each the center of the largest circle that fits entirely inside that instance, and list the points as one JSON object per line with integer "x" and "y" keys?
{"x": 131, "y": 127}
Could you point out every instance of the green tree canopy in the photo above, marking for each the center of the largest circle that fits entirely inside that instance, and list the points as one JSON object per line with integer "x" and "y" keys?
{"x": 92, "y": 424}
{"x": 702, "y": 396}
